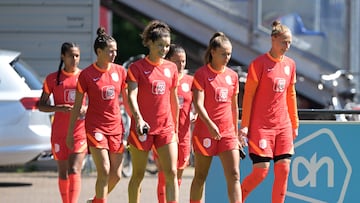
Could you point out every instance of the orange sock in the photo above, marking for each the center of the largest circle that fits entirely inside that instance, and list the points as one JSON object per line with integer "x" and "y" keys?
{"x": 179, "y": 182}
{"x": 64, "y": 189}
{"x": 161, "y": 188}
{"x": 75, "y": 187}
{"x": 172, "y": 202}
{"x": 281, "y": 171}
{"x": 251, "y": 181}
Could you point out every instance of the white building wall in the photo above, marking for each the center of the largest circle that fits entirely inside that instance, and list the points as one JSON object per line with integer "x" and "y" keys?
{"x": 37, "y": 28}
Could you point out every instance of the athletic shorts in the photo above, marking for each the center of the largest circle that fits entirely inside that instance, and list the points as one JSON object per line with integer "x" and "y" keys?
{"x": 145, "y": 142}
{"x": 61, "y": 152}
{"x": 270, "y": 142}
{"x": 183, "y": 155}
{"x": 184, "y": 149}
{"x": 210, "y": 147}
{"x": 113, "y": 143}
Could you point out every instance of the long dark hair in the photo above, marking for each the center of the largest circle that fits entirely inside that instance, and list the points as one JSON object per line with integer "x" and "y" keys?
{"x": 102, "y": 40}
{"x": 155, "y": 30}
{"x": 65, "y": 47}
{"x": 174, "y": 48}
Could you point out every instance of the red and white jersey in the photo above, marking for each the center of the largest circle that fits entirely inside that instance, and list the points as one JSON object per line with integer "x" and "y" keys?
{"x": 155, "y": 82}
{"x": 64, "y": 93}
{"x": 269, "y": 105}
{"x": 185, "y": 101}
{"x": 219, "y": 88}
{"x": 103, "y": 88}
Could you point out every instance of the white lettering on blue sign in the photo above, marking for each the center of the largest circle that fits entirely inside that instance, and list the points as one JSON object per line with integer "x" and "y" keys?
{"x": 312, "y": 168}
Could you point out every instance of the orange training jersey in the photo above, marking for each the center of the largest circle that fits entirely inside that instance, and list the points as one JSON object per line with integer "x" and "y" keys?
{"x": 103, "y": 88}
{"x": 270, "y": 83}
{"x": 185, "y": 101}
{"x": 64, "y": 93}
{"x": 219, "y": 88}
{"x": 154, "y": 84}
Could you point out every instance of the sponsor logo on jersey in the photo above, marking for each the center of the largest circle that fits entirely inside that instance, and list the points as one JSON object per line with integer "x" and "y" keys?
{"x": 69, "y": 95}
{"x": 221, "y": 94}
{"x": 108, "y": 92}
{"x": 158, "y": 87}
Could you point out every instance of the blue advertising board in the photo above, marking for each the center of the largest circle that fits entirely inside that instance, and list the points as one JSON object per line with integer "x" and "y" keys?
{"x": 324, "y": 168}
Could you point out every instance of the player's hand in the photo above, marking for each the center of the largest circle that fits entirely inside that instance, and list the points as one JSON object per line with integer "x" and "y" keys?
{"x": 214, "y": 132}
{"x": 140, "y": 126}
{"x": 242, "y": 136}
{"x": 295, "y": 133}
{"x": 64, "y": 107}
{"x": 83, "y": 111}
{"x": 193, "y": 117}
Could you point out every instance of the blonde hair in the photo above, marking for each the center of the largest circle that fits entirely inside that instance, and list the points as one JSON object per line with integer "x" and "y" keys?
{"x": 278, "y": 28}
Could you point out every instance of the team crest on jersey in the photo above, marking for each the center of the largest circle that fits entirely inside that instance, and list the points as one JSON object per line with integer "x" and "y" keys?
{"x": 207, "y": 142}
{"x": 228, "y": 80}
{"x": 287, "y": 70}
{"x": 115, "y": 77}
{"x": 262, "y": 144}
{"x": 99, "y": 136}
{"x": 108, "y": 92}
{"x": 158, "y": 87}
{"x": 56, "y": 147}
{"x": 185, "y": 87}
{"x": 69, "y": 95}
{"x": 221, "y": 94}
{"x": 167, "y": 72}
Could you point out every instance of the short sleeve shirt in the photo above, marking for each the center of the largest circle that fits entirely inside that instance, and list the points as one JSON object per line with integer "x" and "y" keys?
{"x": 103, "y": 88}
{"x": 185, "y": 100}
{"x": 155, "y": 82}
{"x": 63, "y": 92}
{"x": 269, "y": 108}
{"x": 219, "y": 88}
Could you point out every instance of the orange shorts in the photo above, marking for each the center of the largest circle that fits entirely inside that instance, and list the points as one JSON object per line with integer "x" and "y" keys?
{"x": 183, "y": 155}
{"x": 210, "y": 147}
{"x": 270, "y": 142}
{"x": 145, "y": 142}
{"x": 113, "y": 143}
{"x": 61, "y": 152}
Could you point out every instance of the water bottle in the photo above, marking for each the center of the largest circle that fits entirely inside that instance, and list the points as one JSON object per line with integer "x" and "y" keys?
{"x": 143, "y": 136}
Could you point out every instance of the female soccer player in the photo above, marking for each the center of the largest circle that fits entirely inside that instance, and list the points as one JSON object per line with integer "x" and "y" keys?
{"x": 62, "y": 86}
{"x": 103, "y": 82}
{"x": 152, "y": 86}
{"x": 269, "y": 117}
{"x": 215, "y": 88}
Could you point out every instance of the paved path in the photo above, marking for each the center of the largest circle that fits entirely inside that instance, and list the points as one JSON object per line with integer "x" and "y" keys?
{"x": 41, "y": 187}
